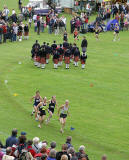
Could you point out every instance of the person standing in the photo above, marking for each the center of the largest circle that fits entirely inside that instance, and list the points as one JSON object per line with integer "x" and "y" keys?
{"x": 83, "y": 59}
{"x": 38, "y": 27}
{"x": 116, "y": 32}
{"x": 43, "y": 57}
{"x": 12, "y": 140}
{"x": 67, "y": 58}
{"x": 84, "y": 44}
{"x": 26, "y": 32}
{"x": 20, "y": 4}
{"x": 56, "y": 59}
{"x": 1, "y": 33}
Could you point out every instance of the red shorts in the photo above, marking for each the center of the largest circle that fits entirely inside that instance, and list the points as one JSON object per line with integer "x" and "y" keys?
{"x": 76, "y": 58}
{"x": 19, "y": 34}
{"x": 55, "y": 61}
{"x": 38, "y": 59}
{"x": 67, "y": 60}
{"x": 82, "y": 62}
{"x": 61, "y": 58}
{"x": 43, "y": 60}
{"x": 26, "y": 33}
{"x": 47, "y": 56}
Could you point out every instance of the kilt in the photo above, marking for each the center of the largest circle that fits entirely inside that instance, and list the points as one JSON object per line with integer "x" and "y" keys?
{"x": 19, "y": 34}
{"x": 61, "y": 58}
{"x": 38, "y": 59}
{"x": 26, "y": 33}
{"x": 43, "y": 60}
{"x": 76, "y": 58}
{"x": 83, "y": 62}
{"x": 55, "y": 61}
{"x": 47, "y": 56}
{"x": 67, "y": 60}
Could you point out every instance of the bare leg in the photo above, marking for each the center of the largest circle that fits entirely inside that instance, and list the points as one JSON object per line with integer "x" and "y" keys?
{"x": 41, "y": 120}
{"x": 50, "y": 116}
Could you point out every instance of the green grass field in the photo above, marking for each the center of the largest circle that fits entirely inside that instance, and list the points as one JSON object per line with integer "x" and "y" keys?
{"x": 99, "y": 114}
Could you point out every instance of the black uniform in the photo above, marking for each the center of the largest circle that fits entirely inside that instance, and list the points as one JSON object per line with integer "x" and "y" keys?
{"x": 52, "y": 106}
{"x": 83, "y": 58}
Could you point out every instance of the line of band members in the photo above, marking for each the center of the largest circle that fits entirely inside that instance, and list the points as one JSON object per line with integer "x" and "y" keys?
{"x": 63, "y": 52}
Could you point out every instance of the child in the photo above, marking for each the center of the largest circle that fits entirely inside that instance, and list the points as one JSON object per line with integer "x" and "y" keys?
{"x": 76, "y": 34}
{"x": 65, "y": 36}
{"x": 97, "y": 32}
{"x": 30, "y": 21}
{"x": 116, "y": 32}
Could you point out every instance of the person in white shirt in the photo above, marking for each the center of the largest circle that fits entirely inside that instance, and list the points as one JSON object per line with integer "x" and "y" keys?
{"x": 6, "y": 12}
{"x": 8, "y": 156}
{"x": 13, "y": 12}
{"x": 64, "y": 20}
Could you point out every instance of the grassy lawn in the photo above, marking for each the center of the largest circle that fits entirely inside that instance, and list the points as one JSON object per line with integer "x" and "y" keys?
{"x": 99, "y": 113}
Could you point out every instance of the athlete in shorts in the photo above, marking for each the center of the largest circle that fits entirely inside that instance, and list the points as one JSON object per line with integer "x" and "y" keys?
{"x": 42, "y": 107}
{"x": 64, "y": 112}
{"x": 37, "y": 99}
{"x": 51, "y": 109}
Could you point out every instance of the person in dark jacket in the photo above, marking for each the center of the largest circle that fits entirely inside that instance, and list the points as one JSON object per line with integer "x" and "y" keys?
{"x": 43, "y": 57}
{"x": 63, "y": 152}
{"x": 83, "y": 59}
{"x": 1, "y": 33}
{"x": 82, "y": 153}
{"x": 84, "y": 44}
{"x": 12, "y": 140}
{"x": 67, "y": 58}
{"x": 26, "y": 32}
{"x": 68, "y": 141}
{"x": 38, "y": 27}
{"x": 76, "y": 56}
{"x": 56, "y": 59}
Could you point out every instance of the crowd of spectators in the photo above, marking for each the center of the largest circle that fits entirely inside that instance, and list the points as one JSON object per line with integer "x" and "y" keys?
{"x": 12, "y": 27}
{"x": 23, "y": 149}
{"x": 53, "y": 22}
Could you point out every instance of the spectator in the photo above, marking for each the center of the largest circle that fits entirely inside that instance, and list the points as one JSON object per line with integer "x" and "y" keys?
{"x": 1, "y": 153}
{"x": 64, "y": 157}
{"x": 104, "y": 157}
{"x": 4, "y": 32}
{"x": 68, "y": 141}
{"x": 52, "y": 146}
{"x": 8, "y": 154}
{"x": 81, "y": 152}
{"x": 52, "y": 155}
{"x": 63, "y": 152}
{"x": 72, "y": 154}
{"x": 1, "y": 33}
{"x": 12, "y": 139}
{"x": 22, "y": 144}
{"x": 38, "y": 27}
{"x": 35, "y": 145}
{"x": 30, "y": 149}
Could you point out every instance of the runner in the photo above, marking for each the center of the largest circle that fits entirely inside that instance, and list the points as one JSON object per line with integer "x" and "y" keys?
{"x": 63, "y": 111}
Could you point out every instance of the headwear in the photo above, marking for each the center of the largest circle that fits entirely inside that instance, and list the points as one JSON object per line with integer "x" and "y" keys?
{"x": 23, "y": 133}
